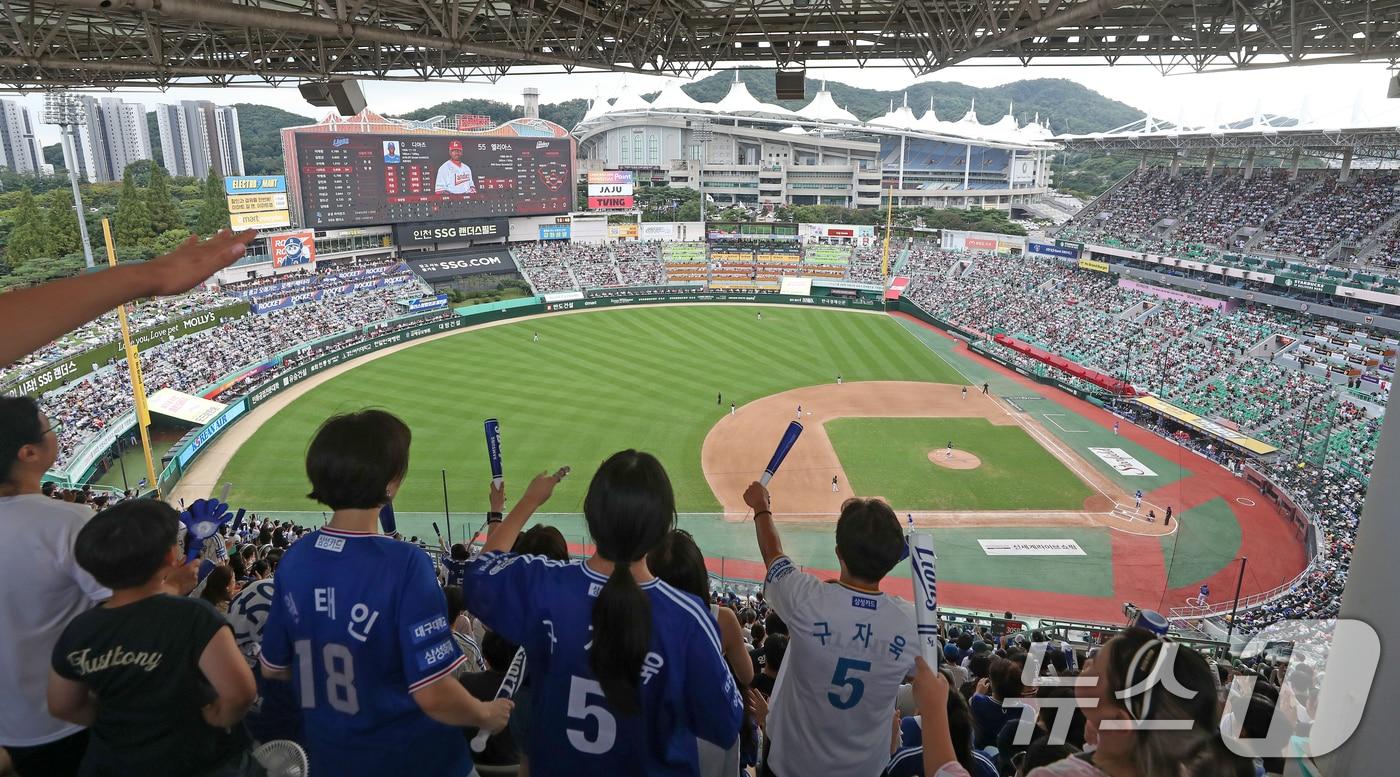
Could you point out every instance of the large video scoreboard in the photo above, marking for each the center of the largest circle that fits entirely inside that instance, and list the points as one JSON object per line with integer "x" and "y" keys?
{"x": 359, "y": 180}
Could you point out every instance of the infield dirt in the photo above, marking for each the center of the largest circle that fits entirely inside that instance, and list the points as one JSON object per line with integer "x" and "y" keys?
{"x": 739, "y": 445}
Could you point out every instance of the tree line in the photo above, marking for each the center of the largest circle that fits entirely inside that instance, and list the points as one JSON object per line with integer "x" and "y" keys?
{"x": 150, "y": 214}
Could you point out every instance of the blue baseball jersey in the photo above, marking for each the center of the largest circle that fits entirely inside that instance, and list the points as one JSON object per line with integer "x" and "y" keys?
{"x": 687, "y": 691}
{"x": 361, "y": 622}
{"x": 456, "y": 570}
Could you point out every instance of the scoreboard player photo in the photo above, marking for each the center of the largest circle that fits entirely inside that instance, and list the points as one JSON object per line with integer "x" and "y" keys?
{"x": 454, "y": 176}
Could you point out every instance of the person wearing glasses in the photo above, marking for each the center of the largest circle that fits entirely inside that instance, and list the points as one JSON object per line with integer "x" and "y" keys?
{"x": 37, "y": 535}
{"x": 1140, "y": 681}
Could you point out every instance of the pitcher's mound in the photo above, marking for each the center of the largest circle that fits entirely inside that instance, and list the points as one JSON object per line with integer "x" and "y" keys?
{"x": 959, "y": 459}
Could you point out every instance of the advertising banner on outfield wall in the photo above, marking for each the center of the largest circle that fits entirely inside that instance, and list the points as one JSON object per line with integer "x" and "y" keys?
{"x": 427, "y": 303}
{"x": 63, "y": 371}
{"x": 659, "y": 294}
{"x": 210, "y": 431}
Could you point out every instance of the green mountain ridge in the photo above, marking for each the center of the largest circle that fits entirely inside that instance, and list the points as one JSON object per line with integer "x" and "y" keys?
{"x": 1065, "y": 105}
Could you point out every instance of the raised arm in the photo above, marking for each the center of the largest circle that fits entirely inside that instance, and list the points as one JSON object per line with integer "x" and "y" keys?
{"x": 539, "y": 491}
{"x": 931, "y": 694}
{"x": 498, "y": 506}
{"x": 34, "y": 317}
{"x": 770, "y": 545}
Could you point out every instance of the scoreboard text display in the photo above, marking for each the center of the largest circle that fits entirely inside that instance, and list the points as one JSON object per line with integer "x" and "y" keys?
{"x": 359, "y": 180}
{"x": 425, "y": 233}
{"x": 610, "y": 190}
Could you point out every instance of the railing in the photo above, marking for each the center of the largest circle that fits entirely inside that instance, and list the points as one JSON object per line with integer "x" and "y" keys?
{"x": 1196, "y": 613}
{"x": 1192, "y": 613}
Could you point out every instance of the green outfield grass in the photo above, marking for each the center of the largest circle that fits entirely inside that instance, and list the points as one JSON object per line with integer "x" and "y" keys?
{"x": 889, "y": 457}
{"x": 595, "y": 383}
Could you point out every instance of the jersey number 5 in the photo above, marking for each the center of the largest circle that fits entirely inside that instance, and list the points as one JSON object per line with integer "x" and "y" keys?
{"x": 340, "y": 676}
{"x": 843, "y": 679}
{"x": 581, "y": 709}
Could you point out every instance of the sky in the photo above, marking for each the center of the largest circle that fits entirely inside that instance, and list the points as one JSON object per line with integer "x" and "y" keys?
{"x": 1347, "y": 95}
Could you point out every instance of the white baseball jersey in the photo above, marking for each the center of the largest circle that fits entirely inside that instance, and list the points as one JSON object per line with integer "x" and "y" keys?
{"x": 849, "y": 650}
{"x": 454, "y": 178}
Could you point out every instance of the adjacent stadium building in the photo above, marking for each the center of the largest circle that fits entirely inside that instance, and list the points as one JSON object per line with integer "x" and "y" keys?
{"x": 743, "y": 151}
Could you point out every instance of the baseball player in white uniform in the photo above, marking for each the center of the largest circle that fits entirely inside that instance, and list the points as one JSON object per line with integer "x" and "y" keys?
{"x": 850, "y": 645}
{"x": 454, "y": 177}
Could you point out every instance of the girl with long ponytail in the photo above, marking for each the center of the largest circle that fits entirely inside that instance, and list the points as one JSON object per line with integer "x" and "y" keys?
{"x": 627, "y": 670}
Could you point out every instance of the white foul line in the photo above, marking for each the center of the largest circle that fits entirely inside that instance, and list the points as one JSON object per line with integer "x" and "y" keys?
{"x": 1051, "y": 418}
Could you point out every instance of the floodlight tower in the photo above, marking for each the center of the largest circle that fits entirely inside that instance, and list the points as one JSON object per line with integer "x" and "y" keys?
{"x": 66, "y": 111}
{"x": 704, "y": 133}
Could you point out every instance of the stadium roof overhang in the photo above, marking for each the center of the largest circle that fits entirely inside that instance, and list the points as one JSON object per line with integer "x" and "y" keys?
{"x": 1363, "y": 142}
{"x": 816, "y": 131}
{"x": 835, "y": 137}
{"x": 117, "y": 43}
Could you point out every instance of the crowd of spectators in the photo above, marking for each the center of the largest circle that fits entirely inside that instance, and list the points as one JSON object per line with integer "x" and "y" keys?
{"x": 545, "y": 265}
{"x": 1332, "y": 212}
{"x": 85, "y": 407}
{"x": 1272, "y": 212}
{"x": 639, "y": 263}
{"x": 564, "y": 266}
{"x": 1333, "y": 501}
{"x": 866, "y": 262}
{"x": 1137, "y": 208}
{"x": 1234, "y": 205}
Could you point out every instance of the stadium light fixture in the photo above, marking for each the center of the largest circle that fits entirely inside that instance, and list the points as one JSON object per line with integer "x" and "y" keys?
{"x": 1393, "y": 91}
{"x": 67, "y": 111}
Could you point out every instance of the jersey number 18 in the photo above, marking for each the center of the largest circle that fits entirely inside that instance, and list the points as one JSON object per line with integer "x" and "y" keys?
{"x": 340, "y": 676}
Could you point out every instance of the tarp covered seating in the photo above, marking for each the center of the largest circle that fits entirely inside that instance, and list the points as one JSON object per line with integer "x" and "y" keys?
{"x": 1111, "y": 384}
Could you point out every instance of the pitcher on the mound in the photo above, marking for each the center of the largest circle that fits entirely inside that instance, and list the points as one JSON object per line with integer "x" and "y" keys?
{"x": 950, "y": 449}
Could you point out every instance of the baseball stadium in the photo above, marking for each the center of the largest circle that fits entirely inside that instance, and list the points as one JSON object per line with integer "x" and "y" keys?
{"x": 1035, "y": 504}
{"x": 631, "y": 425}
